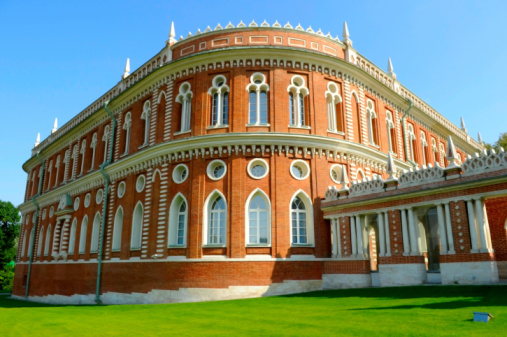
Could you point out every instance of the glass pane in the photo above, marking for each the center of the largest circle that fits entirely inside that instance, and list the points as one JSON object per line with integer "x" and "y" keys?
{"x": 252, "y": 98}
{"x": 264, "y": 107}
{"x": 291, "y": 108}
{"x": 302, "y": 109}
{"x": 225, "y": 108}
{"x": 297, "y": 171}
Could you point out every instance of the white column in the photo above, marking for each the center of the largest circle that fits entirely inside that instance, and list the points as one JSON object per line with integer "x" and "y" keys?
{"x": 334, "y": 248}
{"x": 359, "y": 238}
{"x": 486, "y": 226}
{"x": 441, "y": 227}
{"x": 353, "y": 239}
{"x": 338, "y": 237}
{"x": 448, "y": 223}
{"x": 480, "y": 223}
{"x": 382, "y": 238}
{"x": 472, "y": 226}
{"x": 413, "y": 233}
{"x": 388, "y": 236}
{"x": 404, "y": 229}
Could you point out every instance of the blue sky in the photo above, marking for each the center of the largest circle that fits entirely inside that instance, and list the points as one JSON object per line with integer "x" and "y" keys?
{"x": 57, "y": 57}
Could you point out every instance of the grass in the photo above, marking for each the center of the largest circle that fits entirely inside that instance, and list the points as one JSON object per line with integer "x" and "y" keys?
{"x": 404, "y": 311}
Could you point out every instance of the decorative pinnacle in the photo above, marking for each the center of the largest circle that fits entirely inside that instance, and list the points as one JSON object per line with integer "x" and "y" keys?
{"x": 390, "y": 68}
{"x": 344, "y": 179}
{"x": 55, "y": 126}
{"x": 479, "y": 138}
{"x": 463, "y": 125}
{"x": 37, "y": 142}
{"x": 126, "y": 72}
{"x": 391, "y": 167}
{"x": 452, "y": 155}
{"x": 346, "y": 34}
{"x": 172, "y": 35}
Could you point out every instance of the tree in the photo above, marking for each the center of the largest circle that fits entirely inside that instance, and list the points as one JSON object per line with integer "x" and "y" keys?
{"x": 9, "y": 231}
{"x": 501, "y": 142}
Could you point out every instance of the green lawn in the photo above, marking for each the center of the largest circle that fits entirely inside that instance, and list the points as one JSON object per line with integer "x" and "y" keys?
{"x": 409, "y": 311}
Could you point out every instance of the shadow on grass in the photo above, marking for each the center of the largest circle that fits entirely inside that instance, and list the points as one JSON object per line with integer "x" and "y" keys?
{"x": 6, "y": 303}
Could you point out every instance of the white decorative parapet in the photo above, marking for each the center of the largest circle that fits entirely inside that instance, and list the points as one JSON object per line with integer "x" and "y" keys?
{"x": 485, "y": 162}
{"x": 332, "y": 193}
{"x": 422, "y": 176}
{"x": 367, "y": 187}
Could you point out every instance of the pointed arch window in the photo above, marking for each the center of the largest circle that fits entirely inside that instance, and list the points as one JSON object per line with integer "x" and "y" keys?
{"x": 105, "y": 139}
{"x": 258, "y": 220}
{"x": 301, "y": 220}
{"x": 391, "y": 133}
{"x": 57, "y": 165}
{"x": 66, "y": 160}
{"x": 411, "y": 141}
{"x": 23, "y": 248}
{"x": 50, "y": 170}
{"x": 146, "y": 116}
{"x": 82, "y": 235}
{"x": 75, "y": 157}
{"x": 93, "y": 146}
{"x": 126, "y": 126}
{"x": 178, "y": 215}
{"x": 185, "y": 99}
{"x": 41, "y": 240}
{"x": 372, "y": 122}
{"x": 441, "y": 152}
{"x": 47, "y": 241}
{"x": 258, "y": 100}
{"x": 216, "y": 220}
{"x": 117, "y": 229}
{"x": 137, "y": 227}
{"x": 424, "y": 145}
{"x": 219, "y": 101}
{"x": 94, "y": 245}
{"x": 82, "y": 152}
{"x": 297, "y": 93}
{"x": 434, "y": 150}
{"x": 334, "y": 108}
{"x": 72, "y": 237}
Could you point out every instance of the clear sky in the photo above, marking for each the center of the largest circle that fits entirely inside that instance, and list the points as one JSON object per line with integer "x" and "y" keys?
{"x": 57, "y": 57}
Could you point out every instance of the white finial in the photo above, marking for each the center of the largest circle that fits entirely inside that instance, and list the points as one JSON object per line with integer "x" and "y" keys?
{"x": 479, "y": 138}
{"x": 346, "y": 35}
{"x": 463, "y": 125}
{"x": 37, "y": 142}
{"x": 126, "y": 72}
{"x": 172, "y": 35}
{"x": 391, "y": 167}
{"x": 452, "y": 155}
{"x": 55, "y": 126}
{"x": 344, "y": 179}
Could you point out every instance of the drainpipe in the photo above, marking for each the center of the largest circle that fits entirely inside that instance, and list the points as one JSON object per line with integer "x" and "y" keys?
{"x": 405, "y": 133}
{"x": 106, "y": 193}
{"x": 34, "y": 230}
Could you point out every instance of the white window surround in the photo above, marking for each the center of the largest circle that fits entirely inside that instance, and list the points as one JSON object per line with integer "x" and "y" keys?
{"x": 39, "y": 245}
{"x": 75, "y": 155}
{"x": 299, "y": 169}
{"x": 50, "y": 170}
{"x": 77, "y": 202}
{"x": 411, "y": 138}
{"x": 137, "y": 227}
{"x": 87, "y": 199}
{"x": 185, "y": 99}
{"x": 252, "y": 166}
{"x": 207, "y": 219}
{"x": 441, "y": 151}
{"x": 360, "y": 176}
{"x": 180, "y": 173}
{"x": 82, "y": 235}
{"x": 370, "y": 116}
{"x": 72, "y": 236}
{"x": 126, "y": 126}
{"x": 83, "y": 153}
{"x": 257, "y": 115}
{"x": 66, "y": 160}
{"x": 219, "y": 93}
{"x": 99, "y": 196}
{"x": 117, "y": 230}
{"x": 57, "y": 165}
{"x": 297, "y": 92}
{"x": 265, "y": 198}
{"x": 332, "y": 99}
{"x": 178, "y": 221}
{"x": 94, "y": 244}
{"x": 146, "y": 116}
{"x": 51, "y": 211}
{"x": 121, "y": 189}
{"x": 93, "y": 146}
{"x": 105, "y": 139}
{"x": 389, "y": 127}
{"x": 309, "y": 219}
{"x": 47, "y": 241}
{"x": 434, "y": 149}
{"x": 424, "y": 144}
{"x": 214, "y": 170}
{"x": 335, "y": 172}
{"x": 140, "y": 183}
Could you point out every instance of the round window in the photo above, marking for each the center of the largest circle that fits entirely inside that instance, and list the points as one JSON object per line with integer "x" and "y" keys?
{"x": 87, "y": 199}
{"x": 180, "y": 173}
{"x": 299, "y": 169}
{"x": 141, "y": 181}
{"x": 258, "y": 168}
{"x": 121, "y": 189}
{"x": 51, "y": 211}
{"x": 99, "y": 196}
{"x": 44, "y": 214}
{"x": 216, "y": 169}
{"x": 76, "y": 203}
{"x": 336, "y": 173}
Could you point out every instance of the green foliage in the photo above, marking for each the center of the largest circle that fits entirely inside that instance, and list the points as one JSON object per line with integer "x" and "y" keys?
{"x": 501, "y": 142}
{"x": 9, "y": 231}
{"x": 403, "y": 311}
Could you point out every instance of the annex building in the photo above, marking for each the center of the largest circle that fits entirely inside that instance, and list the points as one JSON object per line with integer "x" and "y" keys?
{"x": 256, "y": 160}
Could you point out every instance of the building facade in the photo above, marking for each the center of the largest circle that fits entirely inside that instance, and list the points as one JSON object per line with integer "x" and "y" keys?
{"x": 206, "y": 174}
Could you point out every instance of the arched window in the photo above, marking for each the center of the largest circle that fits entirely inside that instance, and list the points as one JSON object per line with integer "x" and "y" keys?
{"x": 105, "y": 139}
{"x": 146, "y": 116}
{"x": 93, "y": 146}
{"x": 57, "y": 165}
{"x": 47, "y": 241}
{"x": 372, "y": 122}
{"x": 219, "y": 101}
{"x": 258, "y": 219}
{"x": 441, "y": 152}
{"x": 50, "y": 170}
{"x": 137, "y": 227}
{"x": 82, "y": 235}
{"x": 301, "y": 217}
{"x": 297, "y": 92}
{"x": 94, "y": 246}
{"x": 360, "y": 175}
{"x": 356, "y": 112}
{"x": 185, "y": 99}
{"x": 411, "y": 141}
{"x": 23, "y": 248}
{"x": 72, "y": 238}
{"x": 82, "y": 152}
{"x": 334, "y": 108}
{"x": 216, "y": 220}
{"x": 75, "y": 156}
{"x": 258, "y": 100}
{"x": 391, "y": 134}
{"x": 66, "y": 160}
{"x": 434, "y": 150}
{"x": 41, "y": 240}
{"x": 126, "y": 126}
{"x": 424, "y": 144}
{"x": 178, "y": 215}
{"x": 117, "y": 229}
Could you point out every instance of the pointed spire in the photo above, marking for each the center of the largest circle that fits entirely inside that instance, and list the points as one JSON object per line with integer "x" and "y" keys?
{"x": 344, "y": 179}
{"x": 452, "y": 155}
{"x": 37, "y": 141}
{"x": 463, "y": 125}
{"x": 126, "y": 72}
{"x": 346, "y": 35}
{"x": 390, "y": 68}
{"x": 172, "y": 35}
{"x": 55, "y": 126}
{"x": 479, "y": 138}
{"x": 391, "y": 167}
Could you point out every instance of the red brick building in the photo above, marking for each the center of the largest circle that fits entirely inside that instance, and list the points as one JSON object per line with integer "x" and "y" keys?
{"x": 205, "y": 174}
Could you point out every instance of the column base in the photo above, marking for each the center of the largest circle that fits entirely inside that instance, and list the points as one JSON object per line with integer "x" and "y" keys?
{"x": 402, "y": 274}
{"x": 481, "y": 272}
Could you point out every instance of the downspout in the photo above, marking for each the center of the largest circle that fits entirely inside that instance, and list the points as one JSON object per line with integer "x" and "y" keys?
{"x": 34, "y": 229}
{"x": 104, "y": 209}
{"x": 405, "y": 132}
